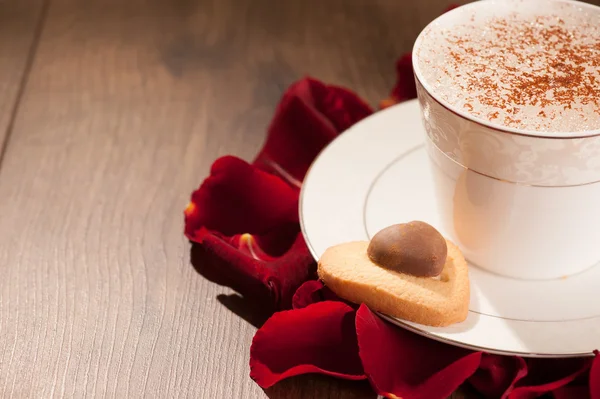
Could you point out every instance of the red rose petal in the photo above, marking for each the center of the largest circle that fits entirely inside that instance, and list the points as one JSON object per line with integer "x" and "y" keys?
{"x": 249, "y": 246}
{"x": 407, "y": 365}
{"x": 320, "y": 338}
{"x": 220, "y": 259}
{"x": 595, "y": 378}
{"x": 239, "y": 198}
{"x": 290, "y": 271}
{"x": 571, "y": 392}
{"x": 307, "y": 294}
{"x": 312, "y": 292}
{"x": 278, "y": 240}
{"x": 309, "y": 116}
{"x": 548, "y": 375}
{"x": 341, "y": 106}
{"x": 497, "y": 375}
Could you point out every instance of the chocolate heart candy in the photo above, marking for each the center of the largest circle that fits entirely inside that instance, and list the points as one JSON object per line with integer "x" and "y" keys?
{"x": 414, "y": 248}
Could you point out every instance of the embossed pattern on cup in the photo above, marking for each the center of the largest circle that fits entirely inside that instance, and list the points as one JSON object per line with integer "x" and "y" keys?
{"x": 539, "y": 161}
{"x": 518, "y": 203}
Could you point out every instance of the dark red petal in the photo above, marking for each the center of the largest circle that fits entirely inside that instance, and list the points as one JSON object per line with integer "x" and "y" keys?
{"x": 309, "y": 116}
{"x": 313, "y": 291}
{"x": 408, "y": 365}
{"x": 317, "y": 339}
{"x": 595, "y": 377}
{"x": 239, "y": 198}
{"x": 548, "y": 375}
{"x": 220, "y": 262}
{"x": 497, "y": 375}
{"x": 252, "y": 273}
{"x": 341, "y": 106}
{"x": 290, "y": 271}
{"x": 278, "y": 240}
{"x": 572, "y": 392}
{"x": 307, "y": 294}
{"x": 249, "y": 246}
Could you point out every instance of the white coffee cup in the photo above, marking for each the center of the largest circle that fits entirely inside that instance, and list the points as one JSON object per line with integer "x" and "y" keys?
{"x": 518, "y": 203}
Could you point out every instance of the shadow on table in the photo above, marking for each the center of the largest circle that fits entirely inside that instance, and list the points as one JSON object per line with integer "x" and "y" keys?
{"x": 315, "y": 386}
{"x": 255, "y": 311}
{"x": 248, "y": 310}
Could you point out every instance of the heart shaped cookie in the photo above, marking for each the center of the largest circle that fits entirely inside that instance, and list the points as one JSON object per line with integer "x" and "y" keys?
{"x": 400, "y": 273}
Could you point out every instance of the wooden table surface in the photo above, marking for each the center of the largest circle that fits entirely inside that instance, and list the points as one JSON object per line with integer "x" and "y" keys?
{"x": 111, "y": 113}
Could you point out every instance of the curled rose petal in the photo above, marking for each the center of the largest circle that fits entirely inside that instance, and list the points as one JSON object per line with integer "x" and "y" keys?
{"x": 246, "y": 223}
{"x": 548, "y": 375}
{"x": 268, "y": 246}
{"x": 307, "y": 294}
{"x": 320, "y": 338}
{"x": 400, "y": 364}
{"x": 239, "y": 263}
{"x": 313, "y": 291}
{"x": 223, "y": 263}
{"x": 290, "y": 271}
{"x": 497, "y": 375}
{"x": 309, "y": 116}
{"x": 248, "y": 245}
{"x": 239, "y": 198}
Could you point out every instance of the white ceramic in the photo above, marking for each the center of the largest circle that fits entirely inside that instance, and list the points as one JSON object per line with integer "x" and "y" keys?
{"x": 519, "y": 203}
{"x": 377, "y": 173}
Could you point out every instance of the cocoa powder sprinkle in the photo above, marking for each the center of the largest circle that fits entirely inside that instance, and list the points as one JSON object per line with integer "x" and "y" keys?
{"x": 528, "y": 72}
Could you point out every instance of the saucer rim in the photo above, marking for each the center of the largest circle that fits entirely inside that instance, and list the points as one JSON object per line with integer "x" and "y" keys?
{"x": 415, "y": 327}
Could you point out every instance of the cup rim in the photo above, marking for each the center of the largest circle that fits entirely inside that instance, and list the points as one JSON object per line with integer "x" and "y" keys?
{"x": 503, "y": 129}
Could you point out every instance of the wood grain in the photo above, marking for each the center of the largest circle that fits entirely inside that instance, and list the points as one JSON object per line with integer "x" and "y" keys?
{"x": 126, "y": 106}
{"x": 18, "y": 23}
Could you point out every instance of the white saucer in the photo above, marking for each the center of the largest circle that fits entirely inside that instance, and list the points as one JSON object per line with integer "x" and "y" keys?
{"x": 376, "y": 174}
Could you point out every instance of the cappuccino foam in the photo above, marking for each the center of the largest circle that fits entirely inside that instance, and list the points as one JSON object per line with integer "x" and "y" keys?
{"x": 528, "y": 65}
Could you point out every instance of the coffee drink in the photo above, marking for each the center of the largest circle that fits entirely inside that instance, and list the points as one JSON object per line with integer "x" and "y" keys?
{"x": 520, "y": 64}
